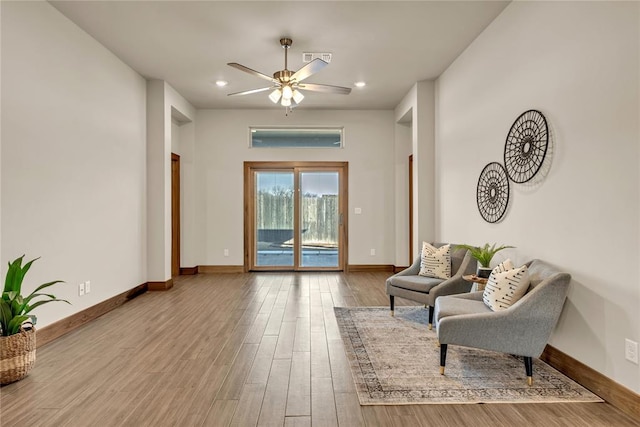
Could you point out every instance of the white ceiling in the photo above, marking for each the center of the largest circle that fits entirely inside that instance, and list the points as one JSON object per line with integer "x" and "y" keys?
{"x": 389, "y": 44}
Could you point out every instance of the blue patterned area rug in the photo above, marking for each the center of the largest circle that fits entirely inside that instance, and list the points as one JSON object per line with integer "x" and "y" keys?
{"x": 396, "y": 360}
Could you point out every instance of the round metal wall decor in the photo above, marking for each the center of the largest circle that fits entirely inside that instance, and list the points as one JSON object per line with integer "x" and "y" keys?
{"x": 526, "y": 146}
{"x": 493, "y": 192}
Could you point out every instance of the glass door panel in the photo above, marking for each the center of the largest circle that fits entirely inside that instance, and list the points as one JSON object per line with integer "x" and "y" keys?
{"x": 319, "y": 219}
{"x": 274, "y": 215}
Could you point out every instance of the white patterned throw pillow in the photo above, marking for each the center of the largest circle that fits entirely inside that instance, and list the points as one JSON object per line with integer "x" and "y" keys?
{"x": 435, "y": 262}
{"x": 505, "y": 265}
{"x": 505, "y": 286}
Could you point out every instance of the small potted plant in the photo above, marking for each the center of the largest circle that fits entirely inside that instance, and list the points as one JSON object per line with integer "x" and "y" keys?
{"x": 484, "y": 255}
{"x": 17, "y": 333}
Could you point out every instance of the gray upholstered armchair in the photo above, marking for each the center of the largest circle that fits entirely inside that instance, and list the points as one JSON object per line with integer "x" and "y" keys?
{"x": 522, "y": 329}
{"x": 408, "y": 284}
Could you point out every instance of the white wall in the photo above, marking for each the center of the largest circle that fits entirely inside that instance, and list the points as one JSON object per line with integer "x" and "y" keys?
{"x": 175, "y": 136}
{"x": 158, "y": 150}
{"x": 222, "y": 145}
{"x": 163, "y": 103}
{"x": 177, "y": 107}
{"x": 418, "y": 109}
{"x": 403, "y": 137}
{"x": 183, "y": 144}
{"x": 73, "y": 159}
{"x": 577, "y": 62}
{"x": 2, "y": 269}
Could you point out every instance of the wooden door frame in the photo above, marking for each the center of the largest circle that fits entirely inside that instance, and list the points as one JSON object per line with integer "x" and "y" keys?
{"x": 411, "y": 209}
{"x": 175, "y": 215}
{"x": 249, "y": 211}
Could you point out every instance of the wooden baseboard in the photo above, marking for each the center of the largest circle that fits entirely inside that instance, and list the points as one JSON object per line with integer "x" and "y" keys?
{"x": 160, "y": 286}
{"x": 220, "y": 269}
{"x": 68, "y": 324}
{"x": 188, "y": 271}
{"x": 398, "y": 269}
{"x": 617, "y": 395}
{"x": 370, "y": 268}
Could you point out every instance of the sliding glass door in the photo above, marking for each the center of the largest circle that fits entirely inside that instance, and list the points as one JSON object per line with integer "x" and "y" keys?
{"x": 294, "y": 215}
{"x": 319, "y": 219}
{"x": 274, "y": 222}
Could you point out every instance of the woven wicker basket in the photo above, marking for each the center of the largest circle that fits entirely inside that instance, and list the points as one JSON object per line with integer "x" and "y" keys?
{"x": 17, "y": 355}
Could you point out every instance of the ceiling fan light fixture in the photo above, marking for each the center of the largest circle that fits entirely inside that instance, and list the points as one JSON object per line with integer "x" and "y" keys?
{"x": 287, "y": 92}
{"x": 297, "y": 96}
{"x": 275, "y": 96}
{"x": 284, "y": 84}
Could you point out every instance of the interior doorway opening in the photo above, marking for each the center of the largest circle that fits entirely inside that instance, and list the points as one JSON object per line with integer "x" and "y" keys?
{"x": 175, "y": 215}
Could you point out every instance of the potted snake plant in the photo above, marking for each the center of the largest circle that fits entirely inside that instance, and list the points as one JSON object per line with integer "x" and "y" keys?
{"x": 484, "y": 255}
{"x": 17, "y": 333}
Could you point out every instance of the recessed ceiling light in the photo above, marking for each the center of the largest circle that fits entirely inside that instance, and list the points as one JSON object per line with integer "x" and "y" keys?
{"x": 360, "y": 84}
{"x": 221, "y": 83}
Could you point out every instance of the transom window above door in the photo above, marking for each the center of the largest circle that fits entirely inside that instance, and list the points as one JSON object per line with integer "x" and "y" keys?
{"x": 298, "y": 137}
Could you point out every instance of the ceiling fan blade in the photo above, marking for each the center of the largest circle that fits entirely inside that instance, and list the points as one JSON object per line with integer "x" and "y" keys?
{"x": 325, "y": 88}
{"x": 250, "y": 71}
{"x": 249, "y": 92}
{"x": 309, "y": 69}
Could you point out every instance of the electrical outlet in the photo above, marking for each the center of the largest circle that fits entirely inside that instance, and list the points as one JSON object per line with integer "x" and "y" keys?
{"x": 373, "y": 252}
{"x": 81, "y": 289}
{"x": 631, "y": 351}
{"x": 87, "y": 286}
{"x": 226, "y": 252}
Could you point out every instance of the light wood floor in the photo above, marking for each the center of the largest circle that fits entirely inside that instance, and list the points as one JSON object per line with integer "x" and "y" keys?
{"x": 240, "y": 350}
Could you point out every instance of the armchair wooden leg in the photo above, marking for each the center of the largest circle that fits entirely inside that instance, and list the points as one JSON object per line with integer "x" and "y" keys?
{"x": 430, "y": 318}
{"x": 391, "y": 298}
{"x": 443, "y": 357}
{"x": 528, "y": 366}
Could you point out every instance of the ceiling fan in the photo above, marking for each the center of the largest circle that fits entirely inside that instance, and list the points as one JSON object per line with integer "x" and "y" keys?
{"x": 286, "y": 84}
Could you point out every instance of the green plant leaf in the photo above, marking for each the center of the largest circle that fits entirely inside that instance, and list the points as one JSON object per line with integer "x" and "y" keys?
{"x": 15, "y": 323}
{"x": 5, "y": 317}
{"x": 11, "y": 274}
{"x": 31, "y": 296}
{"x": 483, "y": 254}
{"x": 20, "y": 276}
{"x": 39, "y": 303}
{"x": 28, "y": 299}
{"x": 15, "y": 308}
{"x": 10, "y": 296}
{"x": 46, "y": 285}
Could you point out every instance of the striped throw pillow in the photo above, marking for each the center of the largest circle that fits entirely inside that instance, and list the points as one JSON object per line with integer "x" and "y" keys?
{"x": 505, "y": 286}
{"x": 435, "y": 262}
